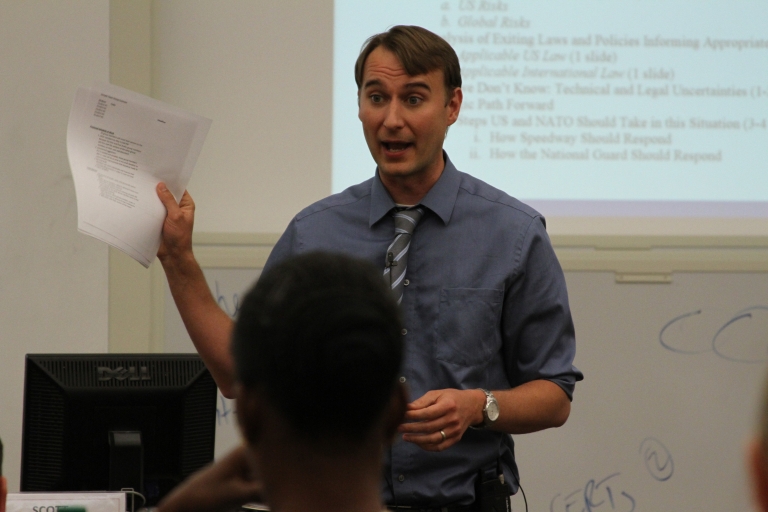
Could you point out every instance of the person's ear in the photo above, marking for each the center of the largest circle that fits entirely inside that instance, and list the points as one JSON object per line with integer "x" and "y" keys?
{"x": 758, "y": 470}
{"x": 398, "y": 404}
{"x": 250, "y": 413}
{"x": 454, "y": 105}
{"x": 359, "y": 114}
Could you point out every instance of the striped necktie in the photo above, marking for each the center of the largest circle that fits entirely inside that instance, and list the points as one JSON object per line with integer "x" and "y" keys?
{"x": 396, "y": 261}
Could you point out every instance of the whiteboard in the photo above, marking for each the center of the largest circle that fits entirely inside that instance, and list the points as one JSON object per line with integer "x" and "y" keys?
{"x": 672, "y": 379}
{"x": 673, "y": 374}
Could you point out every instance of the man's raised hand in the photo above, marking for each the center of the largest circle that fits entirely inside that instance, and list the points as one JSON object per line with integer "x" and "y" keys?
{"x": 177, "y": 228}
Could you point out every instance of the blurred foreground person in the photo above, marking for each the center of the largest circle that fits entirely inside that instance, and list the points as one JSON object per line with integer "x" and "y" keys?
{"x": 757, "y": 456}
{"x": 317, "y": 351}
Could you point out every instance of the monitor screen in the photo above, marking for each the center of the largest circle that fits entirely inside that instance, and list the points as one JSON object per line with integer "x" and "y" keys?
{"x": 94, "y": 422}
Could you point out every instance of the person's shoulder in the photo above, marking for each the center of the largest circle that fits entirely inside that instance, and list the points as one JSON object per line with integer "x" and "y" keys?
{"x": 479, "y": 191}
{"x": 348, "y": 198}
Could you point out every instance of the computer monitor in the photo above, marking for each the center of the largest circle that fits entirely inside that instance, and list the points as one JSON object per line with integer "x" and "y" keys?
{"x": 100, "y": 422}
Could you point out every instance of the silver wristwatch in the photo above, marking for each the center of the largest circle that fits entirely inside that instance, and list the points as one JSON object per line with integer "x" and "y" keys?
{"x": 491, "y": 409}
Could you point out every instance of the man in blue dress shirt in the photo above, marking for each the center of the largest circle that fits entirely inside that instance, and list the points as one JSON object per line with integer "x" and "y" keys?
{"x": 489, "y": 339}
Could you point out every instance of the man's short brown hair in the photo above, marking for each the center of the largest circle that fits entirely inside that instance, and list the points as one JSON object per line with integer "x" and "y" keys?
{"x": 418, "y": 50}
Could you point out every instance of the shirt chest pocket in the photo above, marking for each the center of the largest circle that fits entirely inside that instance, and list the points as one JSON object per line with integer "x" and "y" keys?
{"x": 469, "y": 325}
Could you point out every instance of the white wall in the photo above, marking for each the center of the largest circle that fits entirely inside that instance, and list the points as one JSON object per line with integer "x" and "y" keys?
{"x": 260, "y": 71}
{"x": 53, "y": 280}
{"x": 267, "y": 155}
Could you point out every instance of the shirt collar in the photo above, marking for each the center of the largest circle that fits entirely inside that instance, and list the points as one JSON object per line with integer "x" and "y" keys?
{"x": 441, "y": 198}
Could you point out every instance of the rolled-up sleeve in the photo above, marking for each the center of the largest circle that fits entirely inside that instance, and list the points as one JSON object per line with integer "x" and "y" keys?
{"x": 537, "y": 328}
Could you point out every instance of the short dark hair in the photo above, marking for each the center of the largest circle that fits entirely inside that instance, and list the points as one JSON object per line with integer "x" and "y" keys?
{"x": 418, "y": 50}
{"x": 320, "y": 334}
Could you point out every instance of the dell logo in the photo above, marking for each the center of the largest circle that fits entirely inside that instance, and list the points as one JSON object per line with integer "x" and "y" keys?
{"x": 121, "y": 373}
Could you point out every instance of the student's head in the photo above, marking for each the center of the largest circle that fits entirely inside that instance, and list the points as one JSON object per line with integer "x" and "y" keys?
{"x": 317, "y": 348}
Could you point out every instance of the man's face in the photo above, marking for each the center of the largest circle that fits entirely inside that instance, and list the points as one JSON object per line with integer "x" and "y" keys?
{"x": 405, "y": 117}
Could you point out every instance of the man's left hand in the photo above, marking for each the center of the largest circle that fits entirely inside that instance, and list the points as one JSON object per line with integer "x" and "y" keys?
{"x": 451, "y": 411}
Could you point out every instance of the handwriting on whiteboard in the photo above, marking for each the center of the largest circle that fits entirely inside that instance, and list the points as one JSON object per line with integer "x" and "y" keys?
{"x": 230, "y": 307}
{"x": 741, "y": 337}
{"x": 225, "y": 408}
{"x": 225, "y": 411}
{"x": 604, "y": 494}
{"x": 658, "y": 461}
{"x": 609, "y": 493}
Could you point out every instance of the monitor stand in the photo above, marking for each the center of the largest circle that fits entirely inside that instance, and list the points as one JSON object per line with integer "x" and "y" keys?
{"x": 126, "y": 461}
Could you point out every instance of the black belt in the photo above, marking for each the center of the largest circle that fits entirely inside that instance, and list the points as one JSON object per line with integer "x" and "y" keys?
{"x": 422, "y": 508}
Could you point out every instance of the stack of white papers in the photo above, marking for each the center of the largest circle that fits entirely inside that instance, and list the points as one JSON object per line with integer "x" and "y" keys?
{"x": 121, "y": 145}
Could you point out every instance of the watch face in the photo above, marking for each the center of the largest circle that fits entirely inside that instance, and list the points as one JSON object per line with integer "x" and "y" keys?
{"x": 492, "y": 411}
